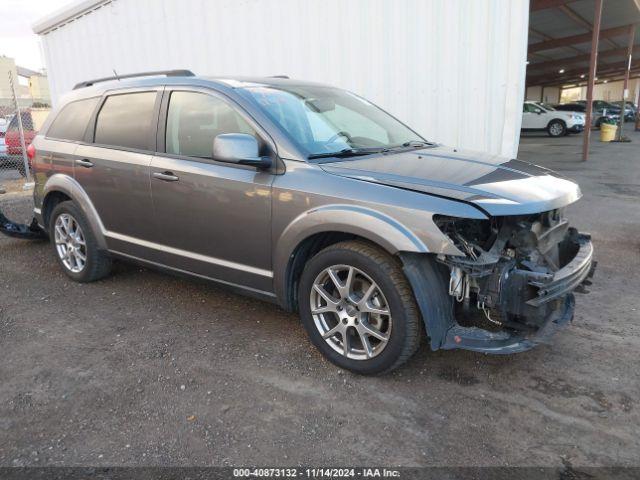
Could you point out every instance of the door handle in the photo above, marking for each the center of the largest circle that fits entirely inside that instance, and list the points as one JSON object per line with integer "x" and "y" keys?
{"x": 165, "y": 176}
{"x": 84, "y": 163}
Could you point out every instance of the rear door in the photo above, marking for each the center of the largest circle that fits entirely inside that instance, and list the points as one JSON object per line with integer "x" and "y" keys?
{"x": 213, "y": 218}
{"x": 113, "y": 167}
{"x": 57, "y": 149}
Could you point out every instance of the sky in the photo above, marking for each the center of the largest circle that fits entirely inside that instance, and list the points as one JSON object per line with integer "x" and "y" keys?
{"x": 17, "y": 39}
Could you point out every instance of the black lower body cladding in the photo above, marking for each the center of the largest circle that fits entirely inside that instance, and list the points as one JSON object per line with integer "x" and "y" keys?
{"x": 18, "y": 230}
{"x": 512, "y": 290}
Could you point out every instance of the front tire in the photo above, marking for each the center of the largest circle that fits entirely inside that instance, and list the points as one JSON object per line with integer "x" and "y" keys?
{"x": 75, "y": 246}
{"x": 556, "y": 128}
{"x": 358, "y": 308}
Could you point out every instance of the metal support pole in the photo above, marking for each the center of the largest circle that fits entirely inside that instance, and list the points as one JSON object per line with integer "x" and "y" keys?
{"x": 625, "y": 88}
{"x": 23, "y": 147}
{"x": 593, "y": 64}
{"x": 638, "y": 112}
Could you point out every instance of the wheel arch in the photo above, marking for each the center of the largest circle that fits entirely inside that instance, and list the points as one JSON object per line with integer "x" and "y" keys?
{"x": 317, "y": 229}
{"x": 61, "y": 188}
{"x": 564, "y": 122}
{"x": 50, "y": 201}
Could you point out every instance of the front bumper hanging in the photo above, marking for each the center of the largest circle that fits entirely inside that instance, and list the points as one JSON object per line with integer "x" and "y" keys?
{"x": 19, "y": 230}
{"x": 503, "y": 342}
{"x": 547, "y": 300}
{"x": 568, "y": 278}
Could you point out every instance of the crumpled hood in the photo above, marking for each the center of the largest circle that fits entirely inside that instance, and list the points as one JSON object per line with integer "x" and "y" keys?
{"x": 498, "y": 185}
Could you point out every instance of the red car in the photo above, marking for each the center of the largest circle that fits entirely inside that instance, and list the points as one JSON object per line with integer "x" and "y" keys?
{"x": 31, "y": 123}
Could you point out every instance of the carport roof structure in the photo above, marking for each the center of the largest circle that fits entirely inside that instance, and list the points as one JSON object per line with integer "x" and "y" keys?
{"x": 560, "y": 35}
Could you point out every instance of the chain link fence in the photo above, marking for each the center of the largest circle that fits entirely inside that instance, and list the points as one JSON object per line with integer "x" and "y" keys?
{"x": 20, "y": 120}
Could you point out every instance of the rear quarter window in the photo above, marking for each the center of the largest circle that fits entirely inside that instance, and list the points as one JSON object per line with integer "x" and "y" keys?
{"x": 71, "y": 123}
{"x": 126, "y": 120}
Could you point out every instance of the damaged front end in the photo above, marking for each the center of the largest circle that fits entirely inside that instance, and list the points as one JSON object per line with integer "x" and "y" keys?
{"x": 514, "y": 286}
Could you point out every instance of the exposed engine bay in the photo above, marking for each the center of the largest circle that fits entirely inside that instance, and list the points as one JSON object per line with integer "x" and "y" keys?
{"x": 517, "y": 271}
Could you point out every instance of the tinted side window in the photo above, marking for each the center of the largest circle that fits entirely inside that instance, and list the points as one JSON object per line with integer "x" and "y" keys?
{"x": 71, "y": 122}
{"x": 195, "y": 119}
{"x": 126, "y": 120}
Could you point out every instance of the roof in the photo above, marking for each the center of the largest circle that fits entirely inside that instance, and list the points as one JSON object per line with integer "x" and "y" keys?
{"x": 219, "y": 83}
{"x": 276, "y": 81}
{"x": 560, "y": 40}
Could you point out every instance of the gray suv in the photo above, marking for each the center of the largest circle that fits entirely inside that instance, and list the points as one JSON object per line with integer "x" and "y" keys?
{"x": 314, "y": 198}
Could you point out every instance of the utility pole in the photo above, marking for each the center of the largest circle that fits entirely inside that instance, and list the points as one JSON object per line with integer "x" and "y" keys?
{"x": 593, "y": 64}
{"x": 638, "y": 113}
{"x": 625, "y": 88}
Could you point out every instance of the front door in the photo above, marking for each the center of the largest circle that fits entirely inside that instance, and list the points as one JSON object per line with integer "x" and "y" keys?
{"x": 213, "y": 218}
{"x": 114, "y": 170}
{"x": 533, "y": 117}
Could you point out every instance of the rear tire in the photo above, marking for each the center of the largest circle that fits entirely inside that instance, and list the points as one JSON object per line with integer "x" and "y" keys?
{"x": 76, "y": 248}
{"x": 372, "y": 282}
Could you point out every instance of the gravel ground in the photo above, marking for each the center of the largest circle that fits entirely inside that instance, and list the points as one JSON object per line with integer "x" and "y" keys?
{"x": 149, "y": 369}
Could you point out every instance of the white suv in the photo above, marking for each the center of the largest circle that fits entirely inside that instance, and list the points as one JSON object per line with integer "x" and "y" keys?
{"x": 541, "y": 116}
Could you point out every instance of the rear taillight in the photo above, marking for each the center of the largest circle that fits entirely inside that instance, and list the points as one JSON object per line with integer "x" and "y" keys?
{"x": 31, "y": 153}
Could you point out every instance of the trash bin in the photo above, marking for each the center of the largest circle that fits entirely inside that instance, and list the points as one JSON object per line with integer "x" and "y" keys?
{"x": 608, "y": 132}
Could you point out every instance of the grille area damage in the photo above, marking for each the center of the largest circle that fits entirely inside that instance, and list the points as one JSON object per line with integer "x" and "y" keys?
{"x": 513, "y": 287}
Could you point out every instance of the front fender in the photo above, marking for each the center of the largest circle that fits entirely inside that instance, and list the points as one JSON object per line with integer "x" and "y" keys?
{"x": 364, "y": 222}
{"x": 70, "y": 187}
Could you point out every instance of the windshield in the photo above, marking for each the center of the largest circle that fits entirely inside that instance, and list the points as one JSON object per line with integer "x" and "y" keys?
{"x": 325, "y": 120}
{"x": 547, "y": 106}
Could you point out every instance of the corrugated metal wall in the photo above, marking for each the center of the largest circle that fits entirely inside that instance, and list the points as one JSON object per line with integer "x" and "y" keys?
{"x": 452, "y": 69}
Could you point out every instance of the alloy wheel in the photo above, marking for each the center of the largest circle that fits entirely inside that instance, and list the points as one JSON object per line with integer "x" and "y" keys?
{"x": 351, "y": 312}
{"x": 70, "y": 243}
{"x": 556, "y": 129}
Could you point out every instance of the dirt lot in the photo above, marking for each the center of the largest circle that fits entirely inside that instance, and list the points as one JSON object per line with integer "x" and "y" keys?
{"x": 148, "y": 369}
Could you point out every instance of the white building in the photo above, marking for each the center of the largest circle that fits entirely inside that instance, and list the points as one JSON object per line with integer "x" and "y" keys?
{"x": 454, "y": 70}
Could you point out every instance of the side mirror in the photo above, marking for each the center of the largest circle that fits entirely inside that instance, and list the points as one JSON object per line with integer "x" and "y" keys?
{"x": 239, "y": 148}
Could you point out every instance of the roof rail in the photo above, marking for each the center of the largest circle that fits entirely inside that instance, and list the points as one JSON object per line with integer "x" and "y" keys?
{"x": 168, "y": 73}
{"x": 279, "y": 76}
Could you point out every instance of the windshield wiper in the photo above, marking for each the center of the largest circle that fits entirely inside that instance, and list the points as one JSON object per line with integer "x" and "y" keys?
{"x": 354, "y": 152}
{"x": 417, "y": 143}
{"x": 411, "y": 144}
{"x": 345, "y": 153}
{"x": 414, "y": 144}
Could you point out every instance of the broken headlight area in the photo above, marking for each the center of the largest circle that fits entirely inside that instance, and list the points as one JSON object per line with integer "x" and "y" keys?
{"x": 517, "y": 272}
